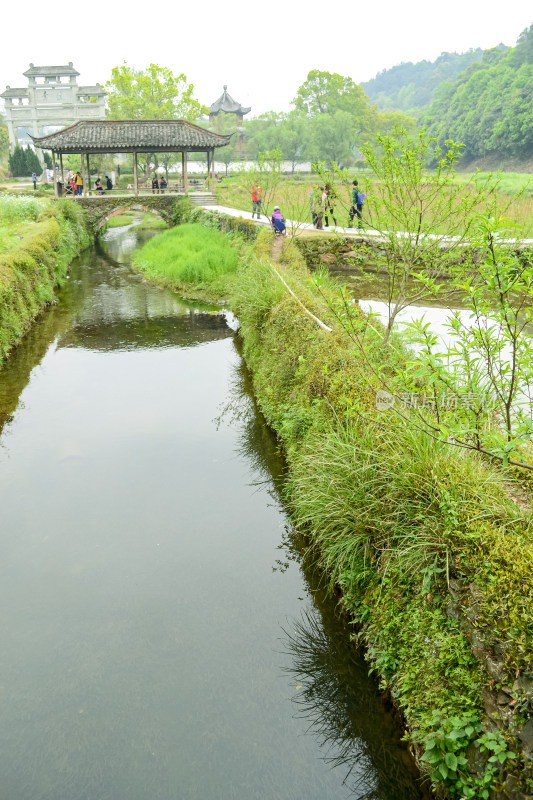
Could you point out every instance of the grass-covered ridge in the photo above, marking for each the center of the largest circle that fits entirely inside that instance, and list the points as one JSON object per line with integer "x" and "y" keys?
{"x": 39, "y": 239}
{"x": 429, "y": 551}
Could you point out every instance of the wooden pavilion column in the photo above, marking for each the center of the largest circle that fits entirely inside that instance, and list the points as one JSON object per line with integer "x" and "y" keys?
{"x": 88, "y": 175}
{"x": 208, "y": 154}
{"x": 83, "y": 175}
{"x": 61, "y": 169}
{"x": 184, "y": 171}
{"x": 54, "y": 171}
{"x": 135, "y": 174}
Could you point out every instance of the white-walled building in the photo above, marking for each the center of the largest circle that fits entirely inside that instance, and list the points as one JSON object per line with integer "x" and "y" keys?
{"x": 52, "y": 100}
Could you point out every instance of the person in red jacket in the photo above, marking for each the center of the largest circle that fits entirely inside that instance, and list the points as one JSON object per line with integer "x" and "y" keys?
{"x": 257, "y": 196}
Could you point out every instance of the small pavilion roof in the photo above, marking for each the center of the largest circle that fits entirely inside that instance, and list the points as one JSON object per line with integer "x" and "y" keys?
{"x": 52, "y": 71}
{"x": 227, "y": 104}
{"x": 125, "y": 136}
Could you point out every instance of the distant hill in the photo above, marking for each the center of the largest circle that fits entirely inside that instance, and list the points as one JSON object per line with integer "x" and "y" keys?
{"x": 410, "y": 87}
{"x": 489, "y": 106}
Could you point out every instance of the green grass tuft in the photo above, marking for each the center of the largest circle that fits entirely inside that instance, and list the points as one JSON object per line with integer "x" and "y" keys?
{"x": 190, "y": 254}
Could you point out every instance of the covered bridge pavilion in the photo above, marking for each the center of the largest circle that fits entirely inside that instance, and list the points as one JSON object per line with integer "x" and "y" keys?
{"x": 96, "y": 137}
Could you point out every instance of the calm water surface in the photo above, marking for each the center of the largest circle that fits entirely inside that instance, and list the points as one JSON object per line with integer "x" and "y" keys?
{"x": 161, "y": 636}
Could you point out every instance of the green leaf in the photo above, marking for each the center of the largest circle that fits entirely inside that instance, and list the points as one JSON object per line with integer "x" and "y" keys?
{"x": 451, "y": 761}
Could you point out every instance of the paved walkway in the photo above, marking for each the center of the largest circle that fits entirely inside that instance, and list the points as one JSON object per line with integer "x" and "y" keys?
{"x": 263, "y": 220}
{"x": 235, "y": 212}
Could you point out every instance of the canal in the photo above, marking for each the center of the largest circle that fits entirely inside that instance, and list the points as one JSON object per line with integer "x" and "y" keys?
{"x": 162, "y": 636}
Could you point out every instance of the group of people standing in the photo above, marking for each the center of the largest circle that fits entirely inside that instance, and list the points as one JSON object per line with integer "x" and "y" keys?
{"x": 323, "y": 200}
{"x": 322, "y": 203}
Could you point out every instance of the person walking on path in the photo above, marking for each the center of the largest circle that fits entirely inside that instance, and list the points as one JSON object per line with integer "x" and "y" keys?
{"x": 34, "y": 179}
{"x": 312, "y": 205}
{"x": 329, "y": 204}
{"x": 358, "y": 198}
{"x": 320, "y": 206}
{"x": 257, "y": 196}
{"x": 79, "y": 184}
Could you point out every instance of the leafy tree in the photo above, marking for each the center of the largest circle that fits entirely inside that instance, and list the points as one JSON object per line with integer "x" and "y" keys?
{"x": 32, "y": 162}
{"x": 154, "y": 93}
{"x": 490, "y": 105}
{"x": 23, "y": 161}
{"x": 287, "y": 131}
{"x": 266, "y": 172}
{"x": 424, "y": 217}
{"x": 17, "y": 162}
{"x": 487, "y": 367}
{"x": 326, "y": 93}
{"x": 4, "y": 143}
{"x": 410, "y": 87}
{"x": 332, "y": 138}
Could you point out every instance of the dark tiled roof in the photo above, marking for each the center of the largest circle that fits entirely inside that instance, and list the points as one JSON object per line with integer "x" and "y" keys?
{"x": 122, "y": 136}
{"x": 226, "y": 103}
{"x": 65, "y": 69}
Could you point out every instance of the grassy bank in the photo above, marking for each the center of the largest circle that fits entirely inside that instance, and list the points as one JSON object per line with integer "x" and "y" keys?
{"x": 39, "y": 239}
{"x": 430, "y": 554}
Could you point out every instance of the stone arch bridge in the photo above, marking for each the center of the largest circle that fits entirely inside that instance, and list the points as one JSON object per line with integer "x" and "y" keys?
{"x": 100, "y": 209}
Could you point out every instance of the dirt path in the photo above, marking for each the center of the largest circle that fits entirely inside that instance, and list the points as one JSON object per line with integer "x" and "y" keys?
{"x": 277, "y": 247}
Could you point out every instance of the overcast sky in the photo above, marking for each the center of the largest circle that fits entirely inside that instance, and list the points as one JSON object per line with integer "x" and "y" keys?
{"x": 262, "y": 51}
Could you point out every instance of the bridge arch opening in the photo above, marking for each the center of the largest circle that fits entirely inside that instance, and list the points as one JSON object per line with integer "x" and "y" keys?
{"x": 125, "y": 208}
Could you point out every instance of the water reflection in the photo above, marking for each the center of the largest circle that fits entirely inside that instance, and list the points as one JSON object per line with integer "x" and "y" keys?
{"x": 339, "y": 702}
{"x": 139, "y": 608}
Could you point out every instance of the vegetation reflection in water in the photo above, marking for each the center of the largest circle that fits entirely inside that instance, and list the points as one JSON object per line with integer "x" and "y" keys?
{"x": 353, "y": 723}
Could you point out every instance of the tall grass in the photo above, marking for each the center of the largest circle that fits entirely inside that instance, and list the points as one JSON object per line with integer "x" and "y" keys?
{"x": 396, "y": 501}
{"x": 188, "y": 253}
{"x": 19, "y": 208}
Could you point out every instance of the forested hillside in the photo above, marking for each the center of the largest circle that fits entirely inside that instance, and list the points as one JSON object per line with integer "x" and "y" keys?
{"x": 410, "y": 87}
{"x": 489, "y": 107}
